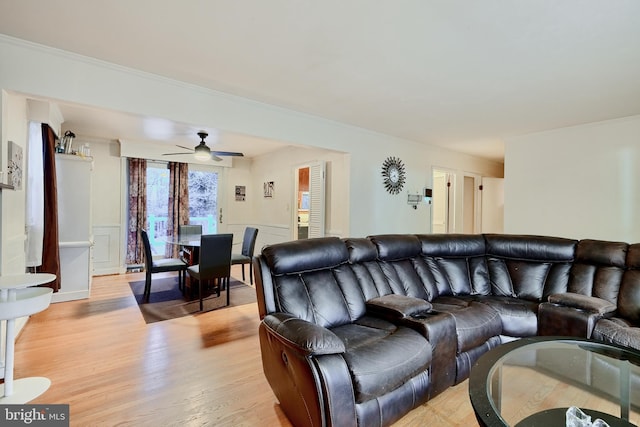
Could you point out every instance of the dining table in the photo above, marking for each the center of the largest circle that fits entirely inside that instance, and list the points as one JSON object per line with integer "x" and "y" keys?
{"x": 189, "y": 247}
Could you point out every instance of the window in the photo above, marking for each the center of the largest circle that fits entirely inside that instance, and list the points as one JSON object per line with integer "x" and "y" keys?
{"x": 157, "y": 205}
{"x": 203, "y": 202}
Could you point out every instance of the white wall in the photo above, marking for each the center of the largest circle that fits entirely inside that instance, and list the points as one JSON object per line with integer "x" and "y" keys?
{"x": 106, "y": 205}
{"x": 274, "y": 216}
{"x": 34, "y": 69}
{"x": 577, "y": 182}
{"x": 375, "y": 211}
{"x": 12, "y": 202}
{"x": 14, "y": 125}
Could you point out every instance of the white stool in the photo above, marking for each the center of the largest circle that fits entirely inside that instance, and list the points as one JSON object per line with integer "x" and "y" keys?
{"x": 17, "y": 300}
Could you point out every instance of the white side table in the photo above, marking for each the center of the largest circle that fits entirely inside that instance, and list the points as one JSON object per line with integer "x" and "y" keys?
{"x": 18, "y": 299}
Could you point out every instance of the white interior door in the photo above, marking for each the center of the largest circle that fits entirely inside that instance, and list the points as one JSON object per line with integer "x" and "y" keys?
{"x": 471, "y": 211}
{"x": 492, "y": 205}
{"x": 316, "y": 199}
{"x": 468, "y": 205}
{"x": 309, "y": 201}
{"x": 441, "y": 200}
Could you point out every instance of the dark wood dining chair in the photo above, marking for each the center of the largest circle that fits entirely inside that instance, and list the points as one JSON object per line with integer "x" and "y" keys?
{"x": 215, "y": 263}
{"x": 246, "y": 255}
{"x": 159, "y": 265}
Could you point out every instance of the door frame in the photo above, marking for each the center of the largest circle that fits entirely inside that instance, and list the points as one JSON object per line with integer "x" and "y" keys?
{"x": 449, "y": 201}
{"x": 454, "y": 219}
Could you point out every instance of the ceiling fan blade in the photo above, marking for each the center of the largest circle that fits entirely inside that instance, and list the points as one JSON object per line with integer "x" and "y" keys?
{"x": 200, "y": 148}
{"x": 176, "y": 154}
{"x": 227, "y": 153}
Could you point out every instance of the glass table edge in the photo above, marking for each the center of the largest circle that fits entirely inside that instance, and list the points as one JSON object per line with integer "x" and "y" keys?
{"x": 479, "y": 393}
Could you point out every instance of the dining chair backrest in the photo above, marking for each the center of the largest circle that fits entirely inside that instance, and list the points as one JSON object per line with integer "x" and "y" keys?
{"x": 192, "y": 230}
{"x": 249, "y": 241}
{"x": 215, "y": 255}
{"x": 148, "y": 260}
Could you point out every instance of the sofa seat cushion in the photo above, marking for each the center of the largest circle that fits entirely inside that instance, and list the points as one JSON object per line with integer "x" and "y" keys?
{"x": 519, "y": 317}
{"x": 381, "y": 357}
{"x": 475, "y": 322}
{"x": 617, "y": 331}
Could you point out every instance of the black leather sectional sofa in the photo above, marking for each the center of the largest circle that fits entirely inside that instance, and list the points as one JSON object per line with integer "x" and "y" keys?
{"x": 357, "y": 332}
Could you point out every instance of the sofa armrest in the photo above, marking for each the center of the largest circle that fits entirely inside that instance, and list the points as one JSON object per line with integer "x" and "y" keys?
{"x": 440, "y": 329}
{"x": 583, "y": 302}
{"x": 397, "y": 306}
{"x": 572, "y": 314}
{"x": 305, "y": 337}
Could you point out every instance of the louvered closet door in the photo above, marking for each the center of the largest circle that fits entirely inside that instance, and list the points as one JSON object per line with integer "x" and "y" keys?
{"x": 317, "y": 199}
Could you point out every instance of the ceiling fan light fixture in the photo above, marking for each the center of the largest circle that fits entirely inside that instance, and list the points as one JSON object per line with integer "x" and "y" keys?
{"x": 202, "y": 152}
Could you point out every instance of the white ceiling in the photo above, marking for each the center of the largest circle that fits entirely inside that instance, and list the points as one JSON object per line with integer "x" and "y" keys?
{"x": 464, "y": 74}
{"x": 100, "y": 123}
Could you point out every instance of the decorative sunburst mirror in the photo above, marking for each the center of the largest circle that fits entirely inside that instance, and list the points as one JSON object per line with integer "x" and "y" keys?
{"x": 393, "y": 174}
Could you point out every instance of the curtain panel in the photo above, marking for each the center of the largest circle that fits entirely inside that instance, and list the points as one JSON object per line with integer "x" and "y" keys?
{"x": 137, "y": 206}
{"x": 34, "y": 217}
{"x": 50, "y": 241}
{"x": 178, "y": 202}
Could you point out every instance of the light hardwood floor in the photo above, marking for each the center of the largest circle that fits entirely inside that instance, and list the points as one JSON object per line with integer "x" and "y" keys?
{"x": 114, "y": 369}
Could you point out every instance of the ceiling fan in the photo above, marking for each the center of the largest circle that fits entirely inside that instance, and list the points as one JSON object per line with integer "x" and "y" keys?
{"x": 203, "y": 152}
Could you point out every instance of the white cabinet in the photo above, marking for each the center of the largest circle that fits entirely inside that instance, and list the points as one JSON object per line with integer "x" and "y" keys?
{"x": 73, "y": 175}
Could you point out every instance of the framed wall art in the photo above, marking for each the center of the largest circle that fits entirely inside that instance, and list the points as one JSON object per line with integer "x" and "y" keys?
{"x": 240, "y": 193}
{"x": 15, "y": 165}
{"x": 268, "y": 189}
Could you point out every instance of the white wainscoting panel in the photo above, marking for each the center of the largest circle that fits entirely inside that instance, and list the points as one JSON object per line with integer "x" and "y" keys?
{"x": 13, "y": 255}
{"x": 106, "y": 249}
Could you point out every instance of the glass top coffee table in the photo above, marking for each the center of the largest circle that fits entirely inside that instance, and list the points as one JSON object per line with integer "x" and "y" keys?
{"x": 533, "y": 381}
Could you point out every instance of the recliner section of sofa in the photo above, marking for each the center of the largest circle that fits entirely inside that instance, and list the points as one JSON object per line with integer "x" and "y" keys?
{"x": 623, "y": 326}
{"x": 359, "y": 331}
{"x": 592, "y": 293}
{"x": 378, "y": 373}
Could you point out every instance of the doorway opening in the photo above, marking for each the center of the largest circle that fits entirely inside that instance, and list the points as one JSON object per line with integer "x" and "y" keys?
{"x": 309, "y": 201}
{"x": 456, "y": 206}
{"x": 302, "y": 204}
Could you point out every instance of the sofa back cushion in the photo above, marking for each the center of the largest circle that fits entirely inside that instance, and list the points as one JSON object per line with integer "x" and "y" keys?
{"x": 529, "y": 267}
{"x": 598, "y": 268}
{"x": 456, "y": 264}
{"x": 397, "y": 257}
{"x": 629, "y": 296}
{"x": 394, "y": 247}
{"x": 363, "y": 258}
{"x": 313, "y": 281}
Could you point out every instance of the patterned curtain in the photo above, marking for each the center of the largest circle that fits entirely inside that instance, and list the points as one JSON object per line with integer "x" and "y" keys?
{"x": 137, "y": 210}
{"x": 50, "y": 248}
{"x": 178, "y": 202}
